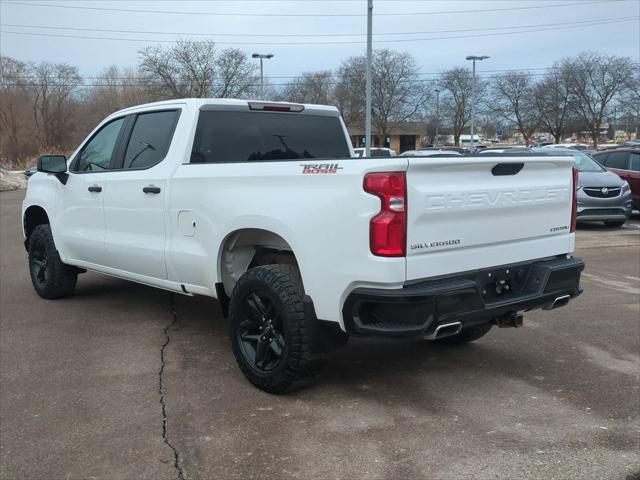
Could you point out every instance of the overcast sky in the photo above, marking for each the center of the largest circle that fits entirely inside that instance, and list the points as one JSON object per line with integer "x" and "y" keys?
{"x": 567, "y": 29}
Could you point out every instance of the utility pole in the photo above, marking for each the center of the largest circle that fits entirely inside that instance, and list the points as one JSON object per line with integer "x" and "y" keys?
{"x": 435, "y": 140}
{"x": 472, "y": 148}
{"x": 367, "y": 141}
{"x": 262, "y": 56}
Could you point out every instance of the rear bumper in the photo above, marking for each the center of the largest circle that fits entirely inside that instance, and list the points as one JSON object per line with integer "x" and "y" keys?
{"x": 470, "y": 298}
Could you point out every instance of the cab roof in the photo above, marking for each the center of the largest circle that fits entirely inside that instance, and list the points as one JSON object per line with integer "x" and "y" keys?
{"x": 236, "y": 105}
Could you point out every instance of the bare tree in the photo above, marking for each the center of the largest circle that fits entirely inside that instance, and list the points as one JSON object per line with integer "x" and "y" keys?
{"x": 235, "y": 75}
{"x": 629, "y": 105}
{"x": 14, "y": 111}
{"x": 349, "y": 92}
{"x": 456, "y": 100}
{"x": 430, "y": 128}
{"x": 56, "y": 98}
{"x": 594, "y": 81}
{"x": 513, "y": 100}
{"x": 116, "y": 88}
{"x": 397, "y": 94}
{"x": 186, "y": 69}
{"x": 195, "y": 69}
{"x": 552, "y": 100}
{"x": 310, "y": 87}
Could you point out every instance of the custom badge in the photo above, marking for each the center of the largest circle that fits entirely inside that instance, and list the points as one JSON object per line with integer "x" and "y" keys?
{"x": 321, "y": 168}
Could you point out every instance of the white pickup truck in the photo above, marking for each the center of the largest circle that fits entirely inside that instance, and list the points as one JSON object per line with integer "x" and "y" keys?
{"x": 263, "y": 206}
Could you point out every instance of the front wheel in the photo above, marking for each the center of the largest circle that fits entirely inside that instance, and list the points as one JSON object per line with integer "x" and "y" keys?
{"x": 50, "y": 277}
{"x": 268, "y": 331}
{"x": 615, "y": 224}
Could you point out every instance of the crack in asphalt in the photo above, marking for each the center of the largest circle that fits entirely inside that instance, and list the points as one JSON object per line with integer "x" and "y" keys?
{"x": 161, "y": 390}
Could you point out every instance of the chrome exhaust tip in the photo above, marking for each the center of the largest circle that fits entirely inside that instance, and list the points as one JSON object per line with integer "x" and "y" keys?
{"x": 560, "y": 301}
{"x": 445, "y": 330}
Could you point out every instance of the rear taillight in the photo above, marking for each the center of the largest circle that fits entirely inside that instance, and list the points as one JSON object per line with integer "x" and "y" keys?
{"x": 574, "y": 206}
{"x": 388, "y": 229}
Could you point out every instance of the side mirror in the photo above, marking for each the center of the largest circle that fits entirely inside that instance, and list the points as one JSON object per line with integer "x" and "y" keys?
{"x": 55, "y": 164}
{"x": 52, "y": 164}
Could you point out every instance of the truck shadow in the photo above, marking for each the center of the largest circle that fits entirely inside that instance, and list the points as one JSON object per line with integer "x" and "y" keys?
{"x": 389, "y": 367}
{"x": 409, "y": 371}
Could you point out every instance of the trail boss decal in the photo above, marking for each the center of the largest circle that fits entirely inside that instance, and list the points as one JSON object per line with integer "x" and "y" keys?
{"x": 321, "y": 168}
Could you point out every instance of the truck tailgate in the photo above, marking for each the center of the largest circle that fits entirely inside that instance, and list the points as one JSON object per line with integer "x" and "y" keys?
{"x": 477, "y": 212}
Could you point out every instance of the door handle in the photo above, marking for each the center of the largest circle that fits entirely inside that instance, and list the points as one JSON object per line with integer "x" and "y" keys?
{"x": 151, "y": 189}
{"x": 95, "y": 188}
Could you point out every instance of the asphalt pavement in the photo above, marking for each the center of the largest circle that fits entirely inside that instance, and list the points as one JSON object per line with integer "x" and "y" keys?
{"x": 122, "y": 381}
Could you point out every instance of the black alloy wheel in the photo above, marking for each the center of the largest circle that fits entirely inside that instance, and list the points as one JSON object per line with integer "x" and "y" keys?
{"x": 38, "y": 263}
{"x": 49, "y": 276}
{"x": 261, "y": 333}
{"x": 269, "y": 333}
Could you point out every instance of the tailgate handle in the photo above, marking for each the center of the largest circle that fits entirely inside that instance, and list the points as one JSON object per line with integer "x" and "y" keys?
{"x": 507, "y": 168}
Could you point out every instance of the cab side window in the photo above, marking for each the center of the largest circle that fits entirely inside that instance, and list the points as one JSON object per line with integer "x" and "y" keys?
{"x": 602, "y": 159}
{"x": 96, "y": 155}
{"x": 618, "y": 160}
{"x": 150, "y": 139}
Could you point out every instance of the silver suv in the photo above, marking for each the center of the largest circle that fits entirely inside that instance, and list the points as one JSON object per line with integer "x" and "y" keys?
{"x": 602, "y": 195}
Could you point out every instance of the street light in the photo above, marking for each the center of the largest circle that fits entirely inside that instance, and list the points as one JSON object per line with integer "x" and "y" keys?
{"x": 262, "y": 56}
{"x": 367, "y": 114}
{"x": 473, "y": 92}
{"x": 435, "y": 143}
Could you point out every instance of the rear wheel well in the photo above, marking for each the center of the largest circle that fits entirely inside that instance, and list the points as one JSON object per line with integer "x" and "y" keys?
{"x": 33, "y": 216}
{"x": 248, "y": 248}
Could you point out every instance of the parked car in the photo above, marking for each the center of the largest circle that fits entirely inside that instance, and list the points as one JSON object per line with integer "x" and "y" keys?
{"x": 573, "y": 146}
{"x": 460, "y": 150}
{"x": 375, "y": 152}
{"x": 624, "y": 162}
{"x": 443, "y": 149}
{"x": 30, "y": 171}
{"x": 261, "y": 205}
{"x": 431, "y": 152}
{"x": 506, "y": 150}
{"x": 602, "y": 196}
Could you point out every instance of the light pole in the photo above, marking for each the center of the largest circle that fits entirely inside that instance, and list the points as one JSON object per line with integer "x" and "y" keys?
{"x": 262, "y": 56}
{"x": 367, "y": 121}
{"x": 473, "y": 93}
{"x": 435, "y": 142}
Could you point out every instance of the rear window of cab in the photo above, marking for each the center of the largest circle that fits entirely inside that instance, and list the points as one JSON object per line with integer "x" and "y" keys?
{"x": 234, "y": 137}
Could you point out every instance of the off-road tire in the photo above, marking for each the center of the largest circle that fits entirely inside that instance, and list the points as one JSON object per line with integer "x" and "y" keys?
{"x": 618, "y": 223}
{"x": 50, "y": 277}
{"x": 467, "y": 335}
{"x": 282, "y": 286}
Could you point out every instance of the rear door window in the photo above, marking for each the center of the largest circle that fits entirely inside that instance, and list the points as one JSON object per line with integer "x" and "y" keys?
{"x": 150, "y": 139}
{"x": 233, "y": 137}
{"x": 635, "y": 162}
{"x": 618, "y": 160}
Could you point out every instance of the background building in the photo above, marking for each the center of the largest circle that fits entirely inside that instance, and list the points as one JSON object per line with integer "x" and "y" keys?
{"x": 404, "y": 136}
